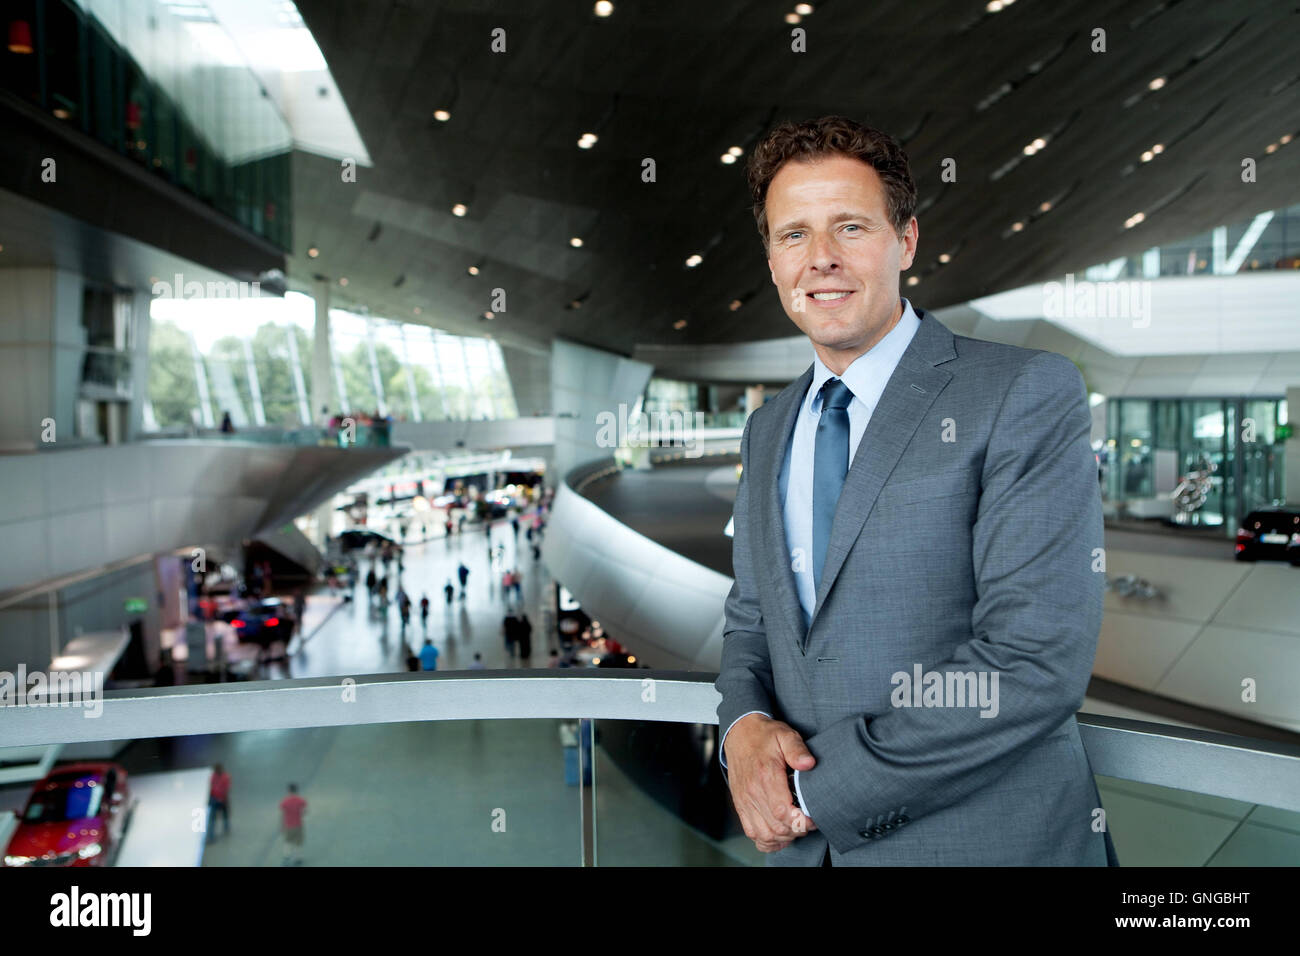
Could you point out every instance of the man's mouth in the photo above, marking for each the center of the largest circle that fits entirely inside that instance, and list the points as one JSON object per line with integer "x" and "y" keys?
{"x": 830, "y": 296}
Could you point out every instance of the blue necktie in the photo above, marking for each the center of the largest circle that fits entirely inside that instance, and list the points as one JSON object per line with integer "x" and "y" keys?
{"x": 830, "y": 465}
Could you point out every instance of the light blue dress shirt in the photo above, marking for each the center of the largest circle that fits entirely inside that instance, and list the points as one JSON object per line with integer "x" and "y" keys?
{"x": 866, "y": 379}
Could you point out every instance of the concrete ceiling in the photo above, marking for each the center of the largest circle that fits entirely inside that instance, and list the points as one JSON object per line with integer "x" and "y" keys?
{"x": 681, "y": 82}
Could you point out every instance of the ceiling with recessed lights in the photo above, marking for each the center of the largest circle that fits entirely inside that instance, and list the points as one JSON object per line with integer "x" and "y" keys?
{"x": 1064, "y": 156}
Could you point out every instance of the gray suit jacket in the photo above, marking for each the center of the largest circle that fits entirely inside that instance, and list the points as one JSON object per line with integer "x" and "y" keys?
{"x": 964, "y": 543}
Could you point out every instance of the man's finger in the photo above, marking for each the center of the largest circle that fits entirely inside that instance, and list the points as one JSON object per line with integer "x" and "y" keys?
{"x": 795, "y": 751}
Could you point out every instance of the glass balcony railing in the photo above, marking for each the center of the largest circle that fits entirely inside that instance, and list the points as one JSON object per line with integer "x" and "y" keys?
{"x": 567, "y": 768}
{"x": 360, "y": 436}
{"x": 139, "y": 80}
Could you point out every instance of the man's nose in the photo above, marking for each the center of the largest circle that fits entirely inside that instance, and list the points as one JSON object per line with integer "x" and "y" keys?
{"x": 823, "y": 255}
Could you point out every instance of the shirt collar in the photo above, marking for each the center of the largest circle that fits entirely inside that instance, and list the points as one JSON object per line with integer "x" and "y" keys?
{"x": 874, "y": 365}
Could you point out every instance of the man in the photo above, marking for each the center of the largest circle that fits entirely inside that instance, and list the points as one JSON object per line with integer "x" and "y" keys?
{"x": 917, "y": 531}
{"x": 218, "y": 801}
{"x": 428, "y": 656}
{"x": 292, "y": 808}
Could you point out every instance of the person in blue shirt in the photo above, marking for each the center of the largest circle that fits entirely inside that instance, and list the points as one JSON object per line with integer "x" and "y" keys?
{"x": 428, "y": 656}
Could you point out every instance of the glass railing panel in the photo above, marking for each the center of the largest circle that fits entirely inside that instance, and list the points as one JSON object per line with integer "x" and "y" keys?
{"x": 1162, "y": 826}
{"x": 661, "y": 799}
{"x": 421, "y": 793}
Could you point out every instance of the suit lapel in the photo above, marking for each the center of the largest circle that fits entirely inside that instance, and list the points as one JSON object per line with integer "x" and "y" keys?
{"x": 771, "y": 551}
{"x": 908, "y": 395}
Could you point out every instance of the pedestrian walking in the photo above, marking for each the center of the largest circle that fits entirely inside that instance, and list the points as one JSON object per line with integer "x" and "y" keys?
{"x": 524, "y": 636}
{"x": 428, "y": 656}
{"x": 218, "y": 801}
{"x": 292, "y": 809}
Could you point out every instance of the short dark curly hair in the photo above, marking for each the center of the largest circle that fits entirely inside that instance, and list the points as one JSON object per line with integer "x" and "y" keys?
{"x": 828, "y": 136}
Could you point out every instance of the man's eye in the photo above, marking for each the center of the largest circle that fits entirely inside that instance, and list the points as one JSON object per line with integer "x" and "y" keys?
{"x": 852, "y": 225}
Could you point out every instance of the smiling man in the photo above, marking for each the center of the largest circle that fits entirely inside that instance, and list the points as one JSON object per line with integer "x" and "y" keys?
{"x": 918, "y": 528}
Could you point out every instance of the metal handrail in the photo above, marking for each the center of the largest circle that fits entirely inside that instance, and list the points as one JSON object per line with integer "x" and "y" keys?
{"x": 1224, "y": 765}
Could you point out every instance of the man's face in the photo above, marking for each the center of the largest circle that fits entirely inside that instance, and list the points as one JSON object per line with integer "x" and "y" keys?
{"x": 834, "y": 255}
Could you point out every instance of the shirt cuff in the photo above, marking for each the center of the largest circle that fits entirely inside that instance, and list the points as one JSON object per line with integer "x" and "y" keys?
{"x": 722, "y": 744}
{"x": 799, "y": 793}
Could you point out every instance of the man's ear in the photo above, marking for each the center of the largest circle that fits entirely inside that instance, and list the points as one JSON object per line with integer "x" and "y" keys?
{"x": 771, "y": 271}
{"x": 911, "y": 236}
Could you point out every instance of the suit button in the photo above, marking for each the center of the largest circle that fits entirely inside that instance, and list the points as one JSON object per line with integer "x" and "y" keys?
{"x": 903, "y": 819}
{"x": 887, "y": 827}
{"x": 878, "y": 830}
{"x": 866, "y": 834}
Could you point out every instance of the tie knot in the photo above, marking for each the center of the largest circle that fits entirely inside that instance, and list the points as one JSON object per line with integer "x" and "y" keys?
{"x": 835, "y": 394}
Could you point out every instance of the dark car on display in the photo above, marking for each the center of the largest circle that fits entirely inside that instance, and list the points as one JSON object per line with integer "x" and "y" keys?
{"x": 76, "y": 816}
{"x": 356, "y": 538}
{"x": 1270, "y": 534}
{"x": 261, "y": 622}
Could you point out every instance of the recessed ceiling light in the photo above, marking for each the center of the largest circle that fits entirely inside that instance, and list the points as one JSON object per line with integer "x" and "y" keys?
{"x": 735, "y": 305}
{"x": 576, "y": 242}
{"x": 1147, "y": 156}
{"x": 945, "y": 258}
{"x": 1157, "y": 83}
{"x": 1017, "y": 226}
{"x": 604, "y": 8}
{"x": 313, "y": 252}
{"x": 587, "y": 140}
{"x": 694, "y": 260}
{"x": 803, "y": 9}
{"x": 343, "y": 280}
{"x": 1158, "y": 148}
{"x": 679, "y": 324}
{"x": 912, "y": 280}
{"x": 472, "y": 270}
{"x": 1045, "y": 207}
{"x": 1286, "y": 139}
{"x": 1134, "y": 219}
{"x": 459, "y": 209}
{"x": 489, "y": 315}
{"x": 735, "y": 151}
{"x": 441, "y": 115}
{"x": 417, "y": 310}
{"x": 792, "y": 18}
{"x": 727, "y": 158}
{"x": 1271, "y": 148}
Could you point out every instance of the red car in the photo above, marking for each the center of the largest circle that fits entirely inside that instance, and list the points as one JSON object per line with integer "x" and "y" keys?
{"x": 76, "y": 816}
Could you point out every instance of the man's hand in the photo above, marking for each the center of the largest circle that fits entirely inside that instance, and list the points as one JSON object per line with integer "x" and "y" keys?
{"x": 758, "y": 750}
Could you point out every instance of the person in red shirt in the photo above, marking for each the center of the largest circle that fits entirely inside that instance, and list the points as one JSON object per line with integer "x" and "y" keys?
{"x": 219, "y": 800}
{"x": 292, "y": 807}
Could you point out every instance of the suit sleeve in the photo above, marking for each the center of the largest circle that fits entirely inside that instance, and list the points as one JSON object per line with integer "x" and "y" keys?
{"x": 745, "y": 676}
{"x": 1035, "y": 622}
